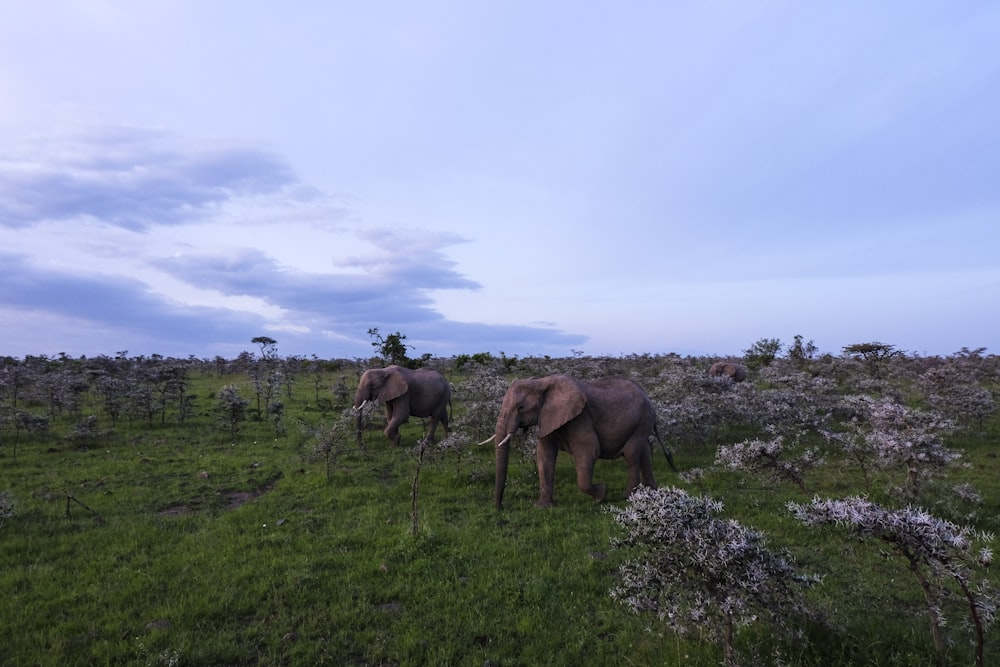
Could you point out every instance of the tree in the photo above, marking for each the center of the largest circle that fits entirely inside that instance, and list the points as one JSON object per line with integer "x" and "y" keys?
{"x": 935, "y": 551}
{"x": 800, "y": 353}
{"x": 266, "y": 374}
{"x": 772, "y": 457}
{"x": 701, "y": 574}
{"x": 872, "y": 354}
{"x": 761, "y": 353}
{"x": 268, "y": 346}
{"x": 231, "y": 408}
{"x": 391, "y": 348}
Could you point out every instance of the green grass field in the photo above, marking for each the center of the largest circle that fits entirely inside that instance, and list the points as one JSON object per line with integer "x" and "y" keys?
{"x": 175, "y": 544}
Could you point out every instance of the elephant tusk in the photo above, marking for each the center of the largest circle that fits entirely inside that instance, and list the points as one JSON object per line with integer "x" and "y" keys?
{"x": 489, "y": 439}
{"x": 505, "y": 440}
{"x": 359, "y": 408}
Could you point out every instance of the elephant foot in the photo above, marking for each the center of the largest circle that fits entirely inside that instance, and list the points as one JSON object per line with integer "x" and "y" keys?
{"x": 598, "y": 492}
{"x": 545, "y": 502}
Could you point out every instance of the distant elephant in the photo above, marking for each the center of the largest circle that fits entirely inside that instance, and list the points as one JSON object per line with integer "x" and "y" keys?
{"x": 735, "y": 372}
{"x": 591, "y": 419}
{"x": 422, "y": 393}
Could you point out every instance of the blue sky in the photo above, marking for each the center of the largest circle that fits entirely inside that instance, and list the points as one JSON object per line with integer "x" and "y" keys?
{"x": 178, "y": 176}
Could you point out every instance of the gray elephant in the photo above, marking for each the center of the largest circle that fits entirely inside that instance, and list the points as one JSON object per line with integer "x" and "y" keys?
{"x": 734, "y": 372}
{"x": 591, "y": 419}
{"x": 422, "y": 393}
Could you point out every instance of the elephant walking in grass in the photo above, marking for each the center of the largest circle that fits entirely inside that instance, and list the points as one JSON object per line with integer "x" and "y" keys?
{"x": 591, "y": 419}
{"x": 735, "y": 372}
{"x": 422, "y": 393}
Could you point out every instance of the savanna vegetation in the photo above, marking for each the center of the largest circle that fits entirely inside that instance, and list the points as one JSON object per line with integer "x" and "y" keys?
{"x": 830, "y": 510}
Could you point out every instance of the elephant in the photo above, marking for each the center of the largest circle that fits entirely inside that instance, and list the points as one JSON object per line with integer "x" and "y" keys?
{"x": 735, "y": 372}
{"x": 422, "y": 393}
{"x": 591, "y": 419}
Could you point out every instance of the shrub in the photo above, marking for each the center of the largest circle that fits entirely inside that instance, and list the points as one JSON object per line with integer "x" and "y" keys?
{"x": 935, "y": 550}
{"x": 699, "y": 573}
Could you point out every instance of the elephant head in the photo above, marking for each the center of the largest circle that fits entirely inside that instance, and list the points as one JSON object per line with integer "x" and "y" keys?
{"x": 379, "y": 385}
{"x": 735, "y": 372}
{"x": 548, "y": 403}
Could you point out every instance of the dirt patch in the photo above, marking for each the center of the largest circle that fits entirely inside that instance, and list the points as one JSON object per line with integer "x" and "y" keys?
{"x": 224, "y": 498}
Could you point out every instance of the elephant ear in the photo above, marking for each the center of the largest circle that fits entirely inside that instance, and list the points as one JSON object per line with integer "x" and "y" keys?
{"x": 394, "y": 387}
{"x": 562, "y": 402}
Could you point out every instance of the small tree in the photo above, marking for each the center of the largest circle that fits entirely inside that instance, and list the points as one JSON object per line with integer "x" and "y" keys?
{"x": 268, "y": 346}
{"x": 330, "y": 439}
{"x": 697, "y": 572}
{"x": 912, "y": 440}
{"x": 770, "y": 457}
{"x": 231, "y": 408}
{"x": 800, "y": 353}
{"x": 761, "y": 353}
{"x": 30, "y": 423}
{"x": 935, "y": 551}
{"x": 422, "y": 451}
{"x": 874, "y": 355}
{"x": 392, "y": 349}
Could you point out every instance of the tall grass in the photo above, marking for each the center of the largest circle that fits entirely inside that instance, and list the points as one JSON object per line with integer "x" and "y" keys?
{"x": 184, "y": 546}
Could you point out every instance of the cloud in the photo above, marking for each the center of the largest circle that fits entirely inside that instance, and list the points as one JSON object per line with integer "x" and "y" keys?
{"x": 158, "y": 243}
{"x": 130, "y": 177}
{"x": 115, "y": 305}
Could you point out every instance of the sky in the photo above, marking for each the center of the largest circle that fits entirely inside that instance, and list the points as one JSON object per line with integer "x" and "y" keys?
{"x": 178, "y": 177}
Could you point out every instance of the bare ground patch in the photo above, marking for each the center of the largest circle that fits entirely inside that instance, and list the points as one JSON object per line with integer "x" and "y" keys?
{"x": 225, "y": 499}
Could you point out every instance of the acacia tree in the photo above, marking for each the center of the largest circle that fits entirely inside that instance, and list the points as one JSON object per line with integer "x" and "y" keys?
{"x": 331, "y": 439}
{"x": 266, "y": 375}
{"x": 699, "y": 573}
{"x": 935, "y": 551}
{"x": 231, "y": 408}
{"x": 954, "y": 390}
{"x": 771, "y": 457}
{"x": 874, "y": 355}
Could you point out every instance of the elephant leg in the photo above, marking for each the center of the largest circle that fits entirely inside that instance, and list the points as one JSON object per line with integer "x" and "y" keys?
{"x": 585, "y": 478}
{"x": 433, "y": 428}
{"x": 639, "y": 459}
{"x": 439, "y": 416}
{"x": 395, "y": 418}
{"x": 545, "y": 457}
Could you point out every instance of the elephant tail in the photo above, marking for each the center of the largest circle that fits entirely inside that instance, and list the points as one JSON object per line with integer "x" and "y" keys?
{"x": 666, "y": 452}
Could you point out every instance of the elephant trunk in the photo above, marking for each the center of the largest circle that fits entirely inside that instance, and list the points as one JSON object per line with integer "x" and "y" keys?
{"x": 503, "y": 456}
{"x": 359, "y": 416}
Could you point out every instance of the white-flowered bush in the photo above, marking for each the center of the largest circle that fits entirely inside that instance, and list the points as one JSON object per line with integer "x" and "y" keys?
{"x": 938, "y": 553}
{"x": 773, "y": 457}
{"x": 701, "y": 574}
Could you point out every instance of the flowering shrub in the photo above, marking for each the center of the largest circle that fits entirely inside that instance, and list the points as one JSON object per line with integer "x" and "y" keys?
{"x": 330, "y": 439}
{"x": 935, "y": 550}
{"x": 771, "y": 457}
{"x": 699, "y": 573}
{"x": 952, "y": 389}
{"x": 481, "y": 394}
{"x": 889, "y": 436}
{"x": 231, "y": 408}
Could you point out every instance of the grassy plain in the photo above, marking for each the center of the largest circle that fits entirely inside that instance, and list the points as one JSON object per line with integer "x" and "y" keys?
{"x": 175, "y": 544}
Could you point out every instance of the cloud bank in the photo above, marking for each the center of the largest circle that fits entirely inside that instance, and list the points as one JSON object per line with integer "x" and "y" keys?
{"x": 181, "y": 248}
